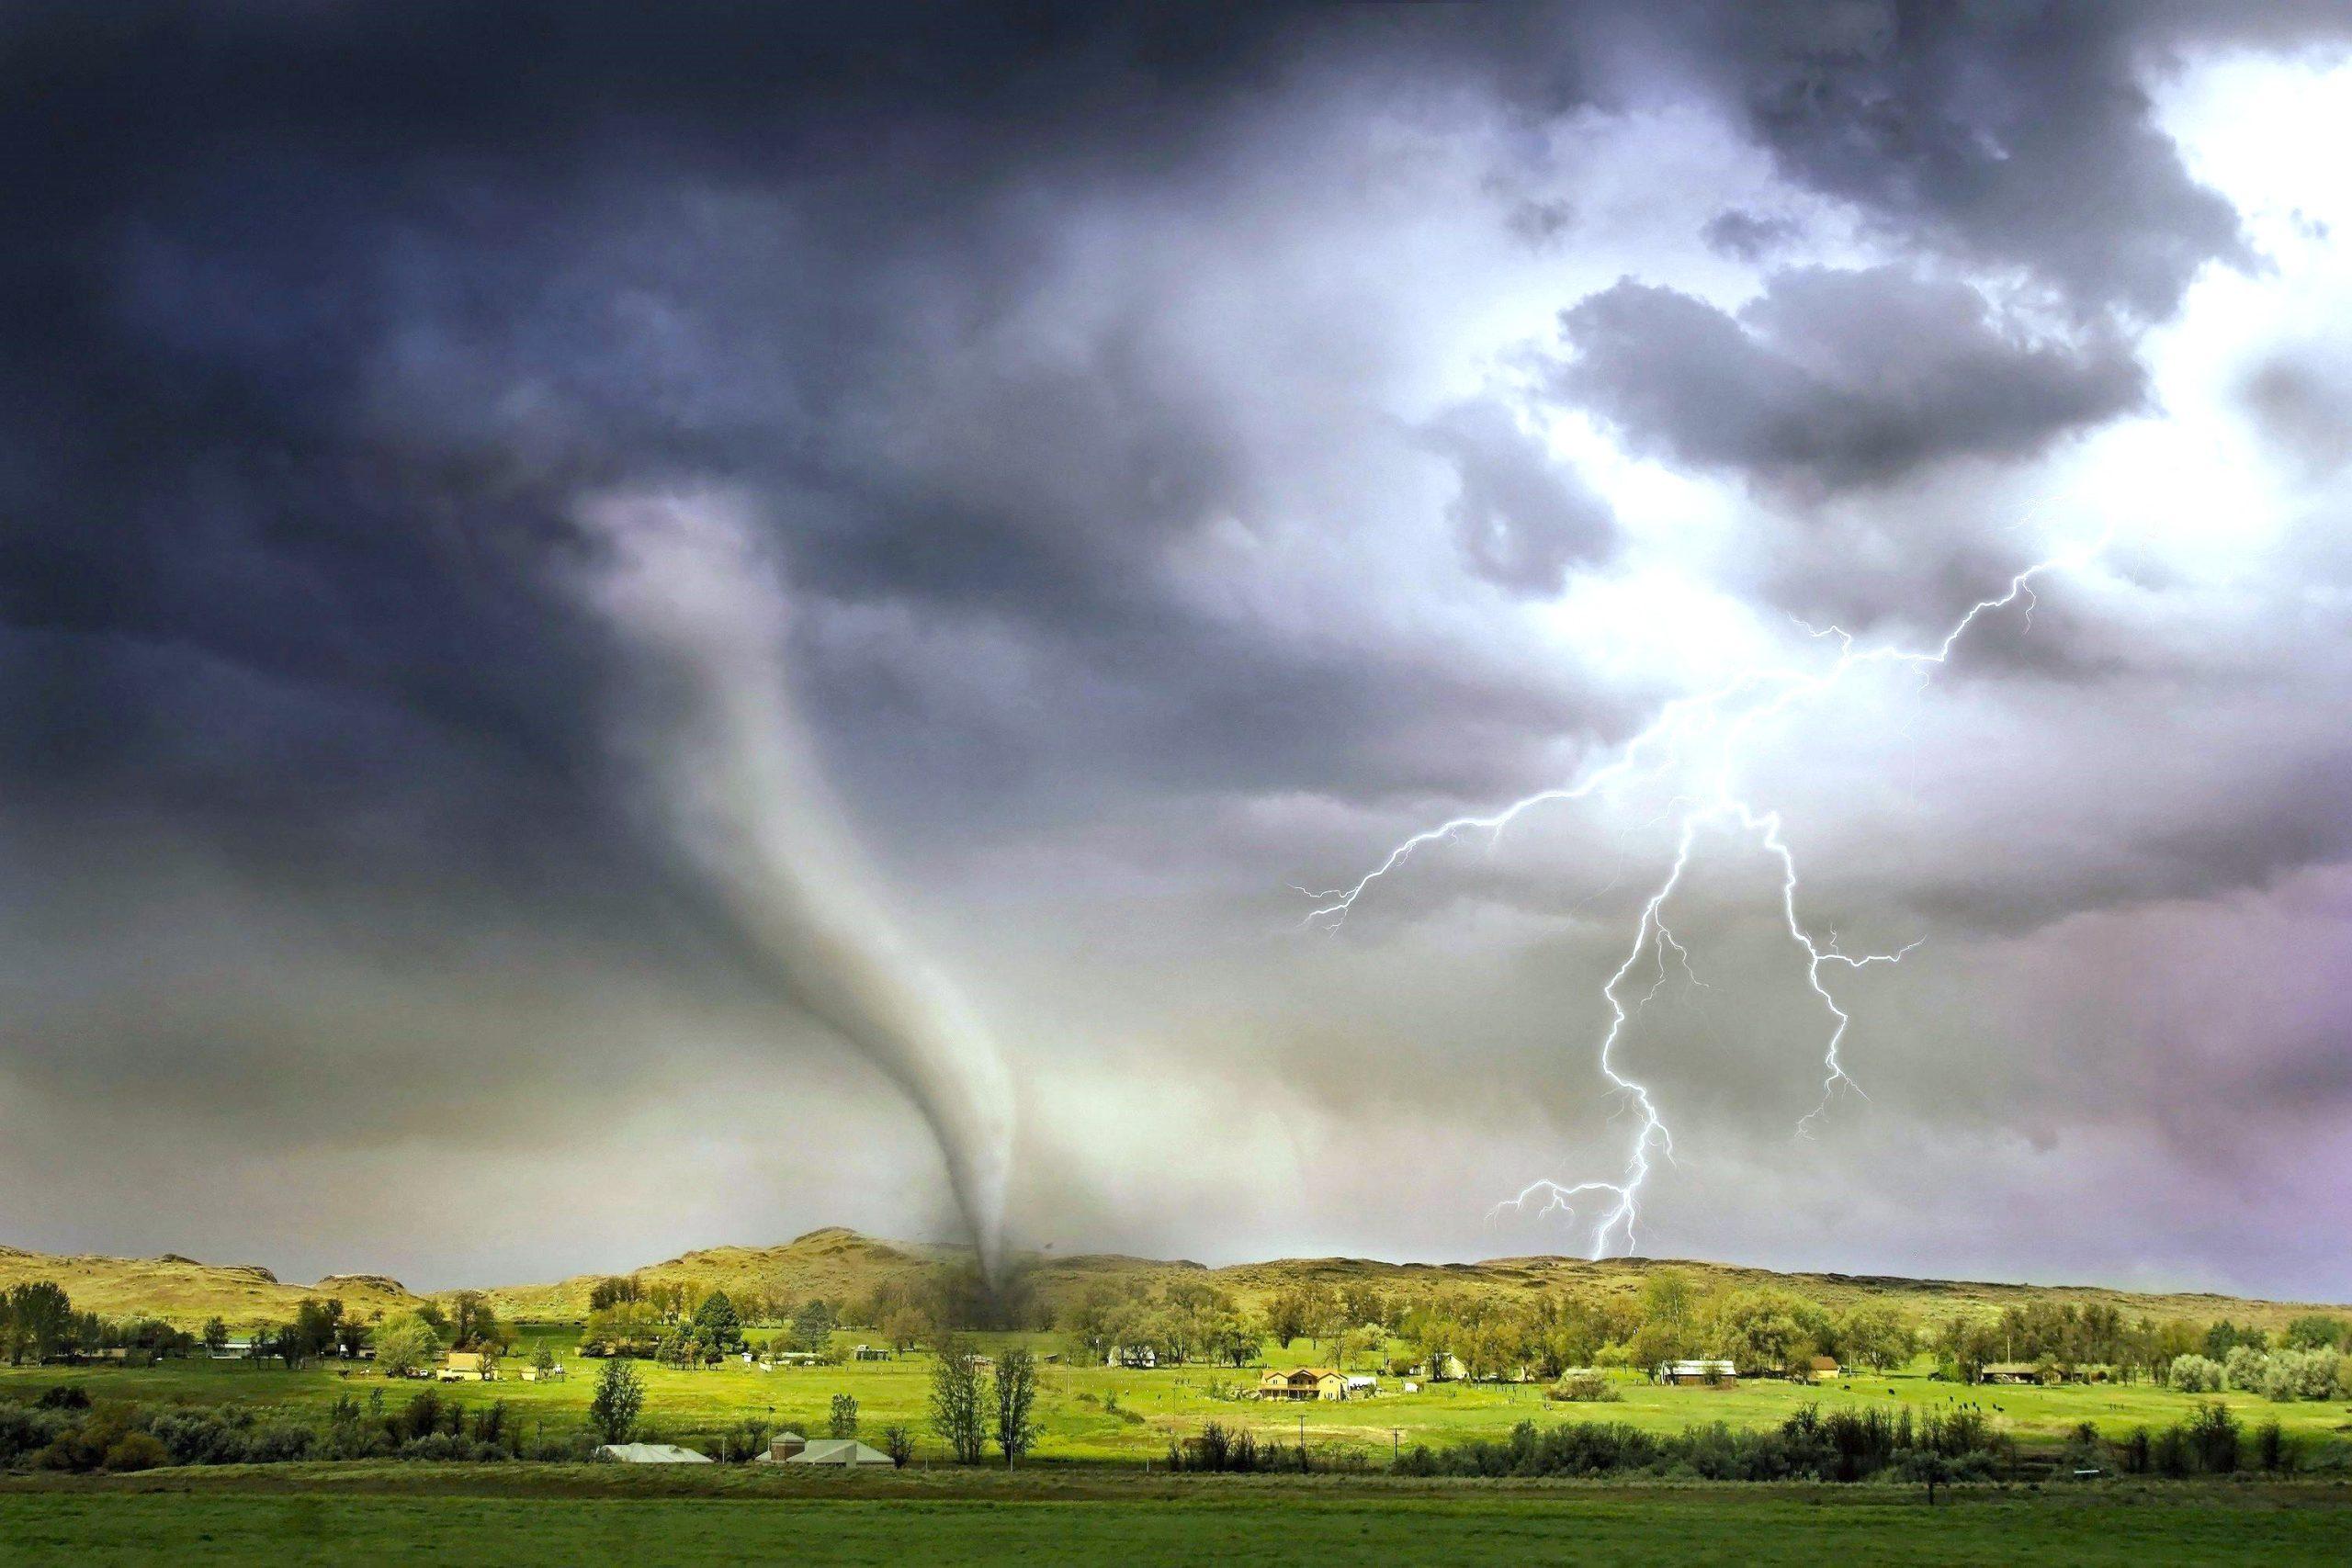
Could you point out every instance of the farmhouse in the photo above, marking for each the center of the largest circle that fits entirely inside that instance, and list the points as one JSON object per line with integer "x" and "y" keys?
{"x": 871, "y": 1352}
{"x": 652, "y": 1453}
{"x": 469, "y": 1366}
{"x": 1715, "y": 1374}
{"x": 1303, "y": 1383}
{"x": 2011, "y": 1371}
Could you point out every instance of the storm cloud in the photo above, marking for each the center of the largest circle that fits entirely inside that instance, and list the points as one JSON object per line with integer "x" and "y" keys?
{"x": 1204, "y": 450}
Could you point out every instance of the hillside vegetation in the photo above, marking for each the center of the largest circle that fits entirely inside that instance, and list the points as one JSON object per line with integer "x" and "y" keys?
{"x": 185, "y": 1292}
{"x": 841, "y": 1265}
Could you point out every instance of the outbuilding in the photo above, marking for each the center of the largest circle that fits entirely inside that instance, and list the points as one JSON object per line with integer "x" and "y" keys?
{"x": 652, "y": 1453}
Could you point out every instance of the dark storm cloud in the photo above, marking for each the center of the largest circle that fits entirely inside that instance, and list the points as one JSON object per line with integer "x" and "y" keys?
{"x": 2007, "y": 133}
{"x": 1747, "y": 236}
{"x": 327, "y": 318}
{"x": 1834, "y": 379}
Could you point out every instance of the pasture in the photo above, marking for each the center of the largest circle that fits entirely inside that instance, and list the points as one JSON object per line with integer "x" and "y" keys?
{"x": 1103, "y": 1415}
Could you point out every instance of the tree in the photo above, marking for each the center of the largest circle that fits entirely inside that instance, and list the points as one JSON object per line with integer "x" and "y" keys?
{"x": 718, "y": 1324}
{"x": 542, "y": 1357}
{"x": 1288, "y": 1315}
{"x": 216, "y": 1335}
{"x": 350, "y": 1337}
{"x": 842, "y": 1421}
{"x": 1762, "y": 1329}
{"x": 1873, "y": 1334}
{"x": 620, "y": 1397}
{"x": 2315, "y": 1331}
{"x": 1016, "y": 1400}
{"x": 813, "y": 1324}
{"x": 1669, "y": 1299}
{"x": 313, "y": 1332}
{"x": 955, "y": 1402}
{"x": 406, "y": 1343}
{"x": 41, "y": 1320}
{"x": 473, "y": 1325}
{"x": 899, "y": 1444}
{"x": 614, "y": 1290}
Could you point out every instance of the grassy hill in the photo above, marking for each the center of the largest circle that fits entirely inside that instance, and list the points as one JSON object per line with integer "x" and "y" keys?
{"x": 183, "y": 1291}
{"x": 845, "y": 1266}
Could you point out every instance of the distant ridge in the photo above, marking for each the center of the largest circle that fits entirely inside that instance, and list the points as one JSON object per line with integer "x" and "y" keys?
{"x": 844, "y": 1265}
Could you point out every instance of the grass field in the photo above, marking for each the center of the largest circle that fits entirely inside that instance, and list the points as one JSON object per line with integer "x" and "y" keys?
{"x": 1112, "y": 1414}
{"x": 548, "y": 1514}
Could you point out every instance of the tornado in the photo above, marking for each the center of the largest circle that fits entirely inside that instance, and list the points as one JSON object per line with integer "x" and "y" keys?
{"x": 699, "y": 610}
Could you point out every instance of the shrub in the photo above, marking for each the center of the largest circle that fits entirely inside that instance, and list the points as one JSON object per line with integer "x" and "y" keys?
{"x": 2245, "y": 1368}
{"x": 136, "y": 1450}
{"x": 2270, "y": 1447}
{"x": 1583, "y": 1388}
{"x": 2195, "y": 1374}
{"x": 899, "y": 1444}
{"x": 2213, "y": 1437}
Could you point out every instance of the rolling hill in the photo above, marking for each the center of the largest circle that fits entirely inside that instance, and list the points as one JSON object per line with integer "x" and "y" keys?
{"x": 845, "y": 1266}
{"x": 183, "y": 1292}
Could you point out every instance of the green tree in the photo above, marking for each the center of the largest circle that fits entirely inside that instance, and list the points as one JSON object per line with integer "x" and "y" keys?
{"x": 955, "y": 1402}
{"x": 620, "y": 1398}
{"x": 1016, "y": 1401}
{"x": 406, "y": 1343}
{"x": 813, "y": 1325}
{"x": 216, "y": 1335}
{"x": 842, "y": 1421}
{"x": 718, "y": 1324}
{"x": 313, "y": 1332}
{"x": 1873, "y": 1334}
{"x": 473, "y": 1325}
{"x": 41, "y": 1320}
{"x": 2315, "y": 1331}
{"x": 542, "y": 1357}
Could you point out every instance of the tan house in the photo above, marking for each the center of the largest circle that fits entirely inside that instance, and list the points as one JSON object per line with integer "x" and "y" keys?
{"x": 2011, "y": 1371}
{"x": 1303, "y": 1383}
{"x": 469, "y": 1366}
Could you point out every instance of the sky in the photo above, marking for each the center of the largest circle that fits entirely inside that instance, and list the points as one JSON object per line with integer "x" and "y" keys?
{"x": 630, "y": 630}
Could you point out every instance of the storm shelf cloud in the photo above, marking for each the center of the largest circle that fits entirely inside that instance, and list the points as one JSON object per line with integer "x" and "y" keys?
{"x": 777, "y": 600}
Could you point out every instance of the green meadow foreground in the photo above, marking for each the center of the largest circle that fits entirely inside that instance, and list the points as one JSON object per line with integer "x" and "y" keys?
{"x": 562, "y": 1514}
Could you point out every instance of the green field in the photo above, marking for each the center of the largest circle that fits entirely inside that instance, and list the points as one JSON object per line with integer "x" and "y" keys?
{"x": 564, "y": 1515}
{"x": 1096, "y": 1414}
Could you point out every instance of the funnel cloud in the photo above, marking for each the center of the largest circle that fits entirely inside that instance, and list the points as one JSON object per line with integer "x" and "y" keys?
{"x": 702, "y": 616}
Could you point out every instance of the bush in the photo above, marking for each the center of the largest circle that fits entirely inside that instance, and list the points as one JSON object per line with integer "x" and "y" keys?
{"x": 2213, "y": 1437}
{"x": 1583, "y": 1388}
{"x": 2270, "y": 1447}
{"x": 2245, "y": 1368}
{"x": 2302, "y": 1374}
{"x": 2195, "y": 1374}
{"x": 136, "y": 1450}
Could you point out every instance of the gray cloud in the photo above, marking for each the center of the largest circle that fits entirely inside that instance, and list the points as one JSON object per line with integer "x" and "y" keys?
{"x": 1835, "y": 380}
{"x": 1523, "y": 517}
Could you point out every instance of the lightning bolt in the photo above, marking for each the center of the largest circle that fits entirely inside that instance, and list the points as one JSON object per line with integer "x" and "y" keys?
{"x": 1722, "y": 721}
